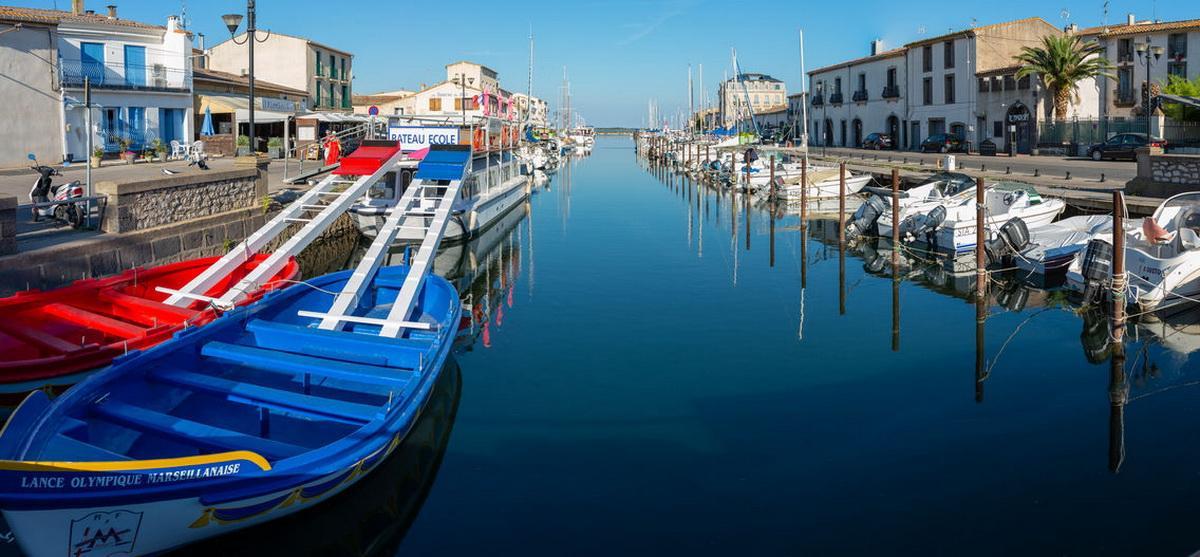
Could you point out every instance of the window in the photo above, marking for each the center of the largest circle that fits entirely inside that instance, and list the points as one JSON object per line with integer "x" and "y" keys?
{"x": 949, "y": 89}
{"x": 317, "y": 102}
{"x": 1124, "y": 50}
{"x": 344, "y": 76}
{"x": 1010, "y": 83}
{"x": 331, "y": 101}
{"x": 1177, "y": 46}
{"x": 998, "y": 129}
{"x": 1125, "y": 85}
{"x": 320, "y": 68}
{"x": 1024, "y": 82}
{"x": 91, "y": 57}
{"x": 927, "y": 91}
{"x": 435, "y": 105}
{"x": 345, "y": 96}
{"x": 862, "y": 82}
{"x": 983, "y": 85}
{"x": 837, "y": 85}
{"x": 135, "y": 66}
{"x": 332, "y": 67}
{"x": 1177, "y": 69}
{"x": 136, "y": 121}
{"x": 948, "y": 54}
{"x": 927, "y": 58}
{"x": 891, "y": 77}
{"x": 997, "y": 85}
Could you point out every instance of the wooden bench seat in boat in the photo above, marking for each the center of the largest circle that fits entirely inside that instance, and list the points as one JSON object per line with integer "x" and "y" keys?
{"x": 79, "y": 450}
{"x": 41, "y": 339}
{"x": 266, "y": 396}
{"x": 363, "y": 348}
{"x": 192, "y": 433}
{"x": 93, "y": 320}
{"x": 167, "y": 312}
{"x": 287, "y": 363}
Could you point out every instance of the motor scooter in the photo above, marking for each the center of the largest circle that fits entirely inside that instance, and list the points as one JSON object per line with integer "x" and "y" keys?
{"x": 44, "y": 191}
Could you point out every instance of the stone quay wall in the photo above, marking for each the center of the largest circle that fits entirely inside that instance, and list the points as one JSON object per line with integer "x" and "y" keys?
{"x": 1183, "y": 170}
{"x": 146, "y": 204}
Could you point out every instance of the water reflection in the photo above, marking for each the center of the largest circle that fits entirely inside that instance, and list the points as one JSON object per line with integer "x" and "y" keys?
{"x": 372, "y": 516}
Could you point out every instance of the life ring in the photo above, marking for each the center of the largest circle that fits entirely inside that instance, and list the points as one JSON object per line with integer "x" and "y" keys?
{"x": 477, "y": 142}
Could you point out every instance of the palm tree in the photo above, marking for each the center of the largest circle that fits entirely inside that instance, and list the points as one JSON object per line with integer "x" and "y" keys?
{"x": 1063, "y": 61}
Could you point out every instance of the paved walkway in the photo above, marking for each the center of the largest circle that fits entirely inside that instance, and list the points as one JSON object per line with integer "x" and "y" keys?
{"x": 20, "y": 184}
{"x": 1024, "y": 165}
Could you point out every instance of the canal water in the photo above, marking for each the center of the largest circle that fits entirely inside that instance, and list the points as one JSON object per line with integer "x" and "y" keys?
{"x": 652, "y": 367}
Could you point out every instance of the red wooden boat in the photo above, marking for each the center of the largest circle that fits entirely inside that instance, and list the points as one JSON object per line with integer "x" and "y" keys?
{"x": 50, "y": 338}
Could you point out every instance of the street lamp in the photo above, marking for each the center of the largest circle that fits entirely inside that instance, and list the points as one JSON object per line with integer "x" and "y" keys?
{"x": 824, "y": 117}
{"x": 232, "y": 22}
{"x": 1156, "y": 53}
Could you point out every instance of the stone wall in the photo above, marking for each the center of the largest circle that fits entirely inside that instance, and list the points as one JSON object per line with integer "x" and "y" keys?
{"x": 145, "y": 204}
{"x": 1183, "y": 170}
{"x": 8, "y": 225}
{"x": 1162, "y": 176}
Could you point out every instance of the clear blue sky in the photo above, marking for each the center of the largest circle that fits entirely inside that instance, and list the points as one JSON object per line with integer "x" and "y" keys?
{"x": 618, "y": 53}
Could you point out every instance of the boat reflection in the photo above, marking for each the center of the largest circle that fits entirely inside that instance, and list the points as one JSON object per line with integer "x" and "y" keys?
{"x": 373, "y": 516}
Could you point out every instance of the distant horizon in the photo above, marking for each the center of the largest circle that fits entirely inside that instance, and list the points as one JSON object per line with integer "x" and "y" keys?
{"x": 618, "y": 55}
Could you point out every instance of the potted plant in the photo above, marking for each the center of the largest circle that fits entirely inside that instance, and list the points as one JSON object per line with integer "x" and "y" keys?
{"x": 275, "y": 147}
{"x": 243, "y": 145}
{"x": 97, "y": 154}
{"x": 159, "y": 148}
{"x": 124, "y": 144}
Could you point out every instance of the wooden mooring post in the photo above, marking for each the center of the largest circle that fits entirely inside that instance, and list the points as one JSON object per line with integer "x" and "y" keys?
{"x": 771, "y": 184}
{"x": 980, "y": 238}
{"x": 895, "y": 211}
{"x": 1118, "y": 268}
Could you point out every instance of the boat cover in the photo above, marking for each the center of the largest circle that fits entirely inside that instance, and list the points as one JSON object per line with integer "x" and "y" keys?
{"x": 369, "y": 156}
{"x": 444, "y": 163}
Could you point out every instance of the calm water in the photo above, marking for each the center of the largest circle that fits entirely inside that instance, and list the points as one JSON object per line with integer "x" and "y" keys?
{"x": 643, "y": 378}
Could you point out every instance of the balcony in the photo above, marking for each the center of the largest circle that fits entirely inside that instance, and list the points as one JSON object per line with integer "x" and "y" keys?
{"x": 836, "y": 99}
{"x": 154, "y": 77}
{"x": 860, "y": 96}
{"x": 1125, "y": 58}
{"x": 891, "y": 92}
{"x": 1123, "y": 99}
{"x": 818, "y": 100}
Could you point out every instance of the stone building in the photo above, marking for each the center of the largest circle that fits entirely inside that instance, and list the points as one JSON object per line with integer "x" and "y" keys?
{"x": 1127, "y": 45}
{"x": 761, "y": 91}
{"x": 324, "y": 72}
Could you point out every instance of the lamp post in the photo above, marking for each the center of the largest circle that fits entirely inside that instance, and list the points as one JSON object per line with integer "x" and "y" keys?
{"x": 1155, "y": 53}
{"x": 824, "y": 118}
{"x": 232, "y": 22}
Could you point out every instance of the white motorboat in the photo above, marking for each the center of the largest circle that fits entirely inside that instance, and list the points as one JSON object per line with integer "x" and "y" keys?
{"x": 822, "y": 183}
{"x": 1162, "y": 258}
{"x": 1051, "y": 247}
{"x": 493, "y": 186}
{"x": 934, "y": 191}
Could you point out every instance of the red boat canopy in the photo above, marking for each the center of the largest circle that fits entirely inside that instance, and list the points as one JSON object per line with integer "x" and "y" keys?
{"x": 368, "y": 158}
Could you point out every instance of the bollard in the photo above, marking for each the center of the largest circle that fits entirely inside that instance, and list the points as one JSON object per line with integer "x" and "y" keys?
{"x": 1037, "y": 172}
{"x": 1101, "y": 176}
{"x": 980, "y": 238}
{"x": 1068, "y": 174}
{"x": 983, "y": 168}
{"x": 1008, "y": 170}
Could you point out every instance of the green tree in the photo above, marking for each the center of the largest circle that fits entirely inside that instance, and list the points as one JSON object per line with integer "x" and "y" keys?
{"x": 1180, "y": 86}
{"x": 1063, "y": 61}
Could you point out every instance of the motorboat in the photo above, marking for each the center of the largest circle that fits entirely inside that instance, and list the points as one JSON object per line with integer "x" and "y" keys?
{"x": 1050, "y": 248}
{"x": 822, "y": 183}
{"x": 950, "y": 227}
{"x": 255, "y": 416}
{"x": 1162, "y": 258}
{"x": 53, "y": 337}
{"x": 875, "y": 216}
{"x": 495, "y": 184}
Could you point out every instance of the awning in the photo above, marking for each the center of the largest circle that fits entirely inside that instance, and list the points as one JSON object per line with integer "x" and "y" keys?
{"x": 335, "y": 117}
{"x": 1186, "y": 101}
{"x": 240, "y": 106}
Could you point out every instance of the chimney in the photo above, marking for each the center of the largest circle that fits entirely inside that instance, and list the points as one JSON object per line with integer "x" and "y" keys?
{"x": 876, "y": 47}
{"x": 112, "y": 11}
{"x": 1130, "y": 20}
{"x": 1072, "y": 28}
{"x": 77, "y": 7}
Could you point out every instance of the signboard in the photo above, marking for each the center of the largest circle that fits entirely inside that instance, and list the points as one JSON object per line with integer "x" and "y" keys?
{"x": 277, "y": 105}
{"x": 415, "y": 138}
{"x": 373, "y": 111}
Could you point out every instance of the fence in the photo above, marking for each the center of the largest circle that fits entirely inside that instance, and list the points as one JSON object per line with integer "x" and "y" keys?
{"x": 1090, "y": 131}
{"x": 107, "y": 75}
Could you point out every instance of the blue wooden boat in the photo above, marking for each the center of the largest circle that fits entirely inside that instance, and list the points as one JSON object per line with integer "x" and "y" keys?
{"x": 255, "y": 416}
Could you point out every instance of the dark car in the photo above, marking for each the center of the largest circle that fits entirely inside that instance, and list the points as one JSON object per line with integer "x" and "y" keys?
{"x": 878, "y": 142}
{"x": 1122, "y": 146}
{"x": 943, "y": 143}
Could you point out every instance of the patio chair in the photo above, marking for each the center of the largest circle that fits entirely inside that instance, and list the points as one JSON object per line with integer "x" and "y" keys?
{"x": 178, "y": 150}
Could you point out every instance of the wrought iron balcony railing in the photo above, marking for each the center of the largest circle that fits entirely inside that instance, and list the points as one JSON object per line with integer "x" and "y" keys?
{"x": 152, "y": 77}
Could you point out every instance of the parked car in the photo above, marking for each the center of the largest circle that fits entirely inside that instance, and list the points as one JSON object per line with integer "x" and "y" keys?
{"x": 1122, "y": 146}
{"x": 943, "y": 143}
{"x": 878, "y": 141}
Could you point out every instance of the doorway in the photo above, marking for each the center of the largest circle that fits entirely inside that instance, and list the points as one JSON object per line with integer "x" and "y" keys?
{"x": 858, "y": 132}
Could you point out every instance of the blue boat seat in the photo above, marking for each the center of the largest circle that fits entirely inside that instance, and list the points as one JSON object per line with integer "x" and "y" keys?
{"x": 65, "y": 447}
{"x": 273, "y": 398}
{"x": 192, "y": 433}
{"x": 287, "y": 363}
{"x": 362, "y": 348}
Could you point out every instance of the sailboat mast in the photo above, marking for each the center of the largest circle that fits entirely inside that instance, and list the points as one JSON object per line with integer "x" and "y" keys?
{"x": 691, "y": 100}
{"x": 703, "y": 100}
{"x": 529, "y": 89}
{"x": 803, "y": 98}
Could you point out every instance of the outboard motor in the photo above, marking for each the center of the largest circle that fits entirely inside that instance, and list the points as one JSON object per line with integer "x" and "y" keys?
{"x": 1012, "y": 239}
{"x": 1097, "y": 269}
{"x": 924, "y": 226}
{"x": 866, "y": 217}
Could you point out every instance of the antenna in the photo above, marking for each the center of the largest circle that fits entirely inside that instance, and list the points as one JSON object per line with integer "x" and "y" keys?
{"x": 1066, "y": 14}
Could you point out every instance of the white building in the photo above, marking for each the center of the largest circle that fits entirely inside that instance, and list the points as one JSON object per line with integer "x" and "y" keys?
{"x": 538, "y": 109}
{"x": 856, "y": 98}
{"x": 140, "y": 77}
{"x": 327, "y": 73}
{"x": 1123, "y": 96}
